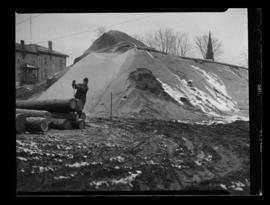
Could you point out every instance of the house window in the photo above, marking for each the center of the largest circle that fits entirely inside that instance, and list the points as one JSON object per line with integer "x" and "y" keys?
{"x": 45, "y": 61}
{"x": 61, "y": 63}
{"x": 18, "y": 59}
{"x": 45, "y": 73}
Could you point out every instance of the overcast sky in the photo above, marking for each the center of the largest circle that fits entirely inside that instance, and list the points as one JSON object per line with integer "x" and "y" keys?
{"x": 73, "y": 33}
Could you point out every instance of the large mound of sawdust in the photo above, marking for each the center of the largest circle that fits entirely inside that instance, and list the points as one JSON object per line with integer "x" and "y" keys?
{"x": 146, "y": 84}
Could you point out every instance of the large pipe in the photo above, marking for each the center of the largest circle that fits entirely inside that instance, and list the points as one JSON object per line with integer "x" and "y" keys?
{"x": 56, "y": 105}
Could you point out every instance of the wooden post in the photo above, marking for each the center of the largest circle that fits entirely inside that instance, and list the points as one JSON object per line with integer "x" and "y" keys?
{"x": 111, "y": 107}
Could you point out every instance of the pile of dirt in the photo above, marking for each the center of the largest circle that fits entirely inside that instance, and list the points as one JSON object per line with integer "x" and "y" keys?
{"x": 162, "y": 89}
{"x": 143, "y": 79}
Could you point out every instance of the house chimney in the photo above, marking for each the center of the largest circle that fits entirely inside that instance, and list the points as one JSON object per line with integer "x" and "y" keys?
{"x": 50, "y": 46}
{"x": 22, "y": 44}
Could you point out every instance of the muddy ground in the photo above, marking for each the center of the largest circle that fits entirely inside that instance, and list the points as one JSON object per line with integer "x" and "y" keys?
{"x": 130, "y": 154}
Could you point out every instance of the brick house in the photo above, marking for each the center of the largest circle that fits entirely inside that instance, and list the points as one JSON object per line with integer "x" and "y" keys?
{"x": 35, "y": 63}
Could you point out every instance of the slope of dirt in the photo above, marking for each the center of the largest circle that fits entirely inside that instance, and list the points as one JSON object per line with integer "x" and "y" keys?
{"x": 99, "y": 68}
{"x": 132, "y": 154}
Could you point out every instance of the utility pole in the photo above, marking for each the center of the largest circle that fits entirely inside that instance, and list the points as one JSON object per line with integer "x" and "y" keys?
{"x": 111, "y": 107}
{"x": 30, "y": 29}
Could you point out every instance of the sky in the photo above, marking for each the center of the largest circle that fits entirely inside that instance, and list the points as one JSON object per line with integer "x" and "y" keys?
{"x": 73, "y": 33}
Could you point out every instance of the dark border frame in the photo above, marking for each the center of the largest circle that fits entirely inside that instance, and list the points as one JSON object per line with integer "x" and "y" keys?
{"x": 255, "y": 100}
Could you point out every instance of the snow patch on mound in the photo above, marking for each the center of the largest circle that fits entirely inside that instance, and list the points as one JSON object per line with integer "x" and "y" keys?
{"x": 175, "y": 94}
{"x": 213, "y": 104}
{"x": 197, "y": 98}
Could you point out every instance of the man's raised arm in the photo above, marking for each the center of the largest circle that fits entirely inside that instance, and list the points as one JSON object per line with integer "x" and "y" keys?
{"x": 76, "y": 86}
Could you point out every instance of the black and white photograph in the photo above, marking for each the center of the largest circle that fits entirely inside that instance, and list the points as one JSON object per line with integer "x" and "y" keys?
{"x": 132, "y": 102}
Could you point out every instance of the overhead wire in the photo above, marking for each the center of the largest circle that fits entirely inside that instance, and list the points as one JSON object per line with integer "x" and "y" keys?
{"x": 28, "y": 19}
{"x": 91, "y": 30}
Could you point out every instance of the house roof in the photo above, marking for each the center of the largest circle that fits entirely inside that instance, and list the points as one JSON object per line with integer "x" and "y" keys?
{"x": 34, "y": 48}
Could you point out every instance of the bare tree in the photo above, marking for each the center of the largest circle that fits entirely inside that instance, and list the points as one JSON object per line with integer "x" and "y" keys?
{"x": 150, "y": 41}
{"x": 181, "y": 45}
{"x": 147, "y": 39}
{"x": 201, "y": 43}
{"x": 139, "y": 37}
{"x": 166, "y": 40}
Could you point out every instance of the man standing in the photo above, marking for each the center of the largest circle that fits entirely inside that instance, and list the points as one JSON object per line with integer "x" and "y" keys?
{"x": 82, "y": 89}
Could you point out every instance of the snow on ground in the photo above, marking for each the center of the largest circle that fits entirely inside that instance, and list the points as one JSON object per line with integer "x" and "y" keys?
{"x": 215, "y": 83}
{"x": 233, "y": 118}
{"x": 41, "y": 169}
{"x": 62, "y": 177}
{"x": 223, "y": 120}
{"x": 238, "y": 186}
{"x": 117, "y": 159}
{"x": 175, "y": 94}
{"x": 77, "y": 164}
{"x": 125, "y": 180}
{"x": 197, "y": 98}
{"x": 223, "y": 186}
{"x": 22, "y": 158}
{"x": 29, "y": 150}
{"x": 219, "y": 100}
{"x": 213, "y": 80}
{"x": 212, "y": 104}
{"x": 217, "y": 120}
